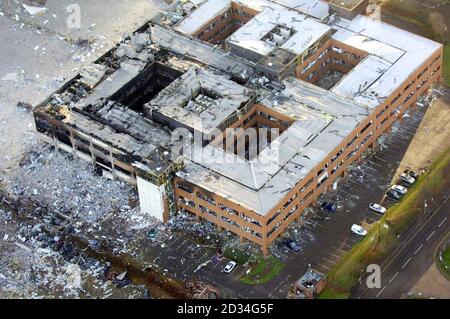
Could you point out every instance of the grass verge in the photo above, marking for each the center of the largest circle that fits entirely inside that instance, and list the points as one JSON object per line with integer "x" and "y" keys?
{"x": 444, "y": 262}
{"x": 382, "y": 237}
{"x": 447, "y": 65}
{"x": 262, "y": 270}
{"x": 237, "y": 255}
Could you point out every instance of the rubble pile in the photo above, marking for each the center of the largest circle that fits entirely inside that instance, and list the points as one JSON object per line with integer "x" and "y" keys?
{"x": 37, "y": 264}
{"x": 66, "y": 193}
{"x": 205, "y": 232}
{"x": 67, "y": 185}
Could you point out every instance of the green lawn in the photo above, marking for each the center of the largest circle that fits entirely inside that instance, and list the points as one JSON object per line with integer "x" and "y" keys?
{"x": 262, "y": 270}
{"x": 237, "y": 255}
{"x": 444, "y": 262}
{"x": 383, "y": 235}
{"x": 332, "y": 294}
{"x": 447, "y": 65}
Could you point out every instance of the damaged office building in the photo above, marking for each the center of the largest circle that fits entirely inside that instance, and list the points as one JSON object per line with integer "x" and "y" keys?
{"x": 329, "y": 79}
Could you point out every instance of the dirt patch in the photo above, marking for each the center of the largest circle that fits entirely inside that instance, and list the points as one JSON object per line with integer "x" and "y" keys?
{"x": 432, "y": 285}
{"x": 431, "y": 138}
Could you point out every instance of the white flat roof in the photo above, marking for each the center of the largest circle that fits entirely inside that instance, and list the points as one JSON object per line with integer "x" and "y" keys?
{"x": 316, "y": 8}
{"x": 308, "y": 31}
{"x": 405, "y": 51}
{"x": 210, "y": 9}
{"x": 367, "y": 72}
{"x": 322, "y": 101}
{"x": 205, "y": 13}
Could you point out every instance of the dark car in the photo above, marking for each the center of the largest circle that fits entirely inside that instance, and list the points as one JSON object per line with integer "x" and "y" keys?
{"x": 393, "y": 194}
{"x": 412, "y": 174}
{"x": 292, "y": 245}
{"x": 329, "y": 207}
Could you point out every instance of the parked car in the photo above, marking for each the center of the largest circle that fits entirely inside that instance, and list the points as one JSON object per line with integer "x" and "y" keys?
{"x": 408, "y": 179}
{"x": 377, "y": 208}
{"x": 358, "y": 230}
{"x": 400, "y": 189}
{"x": 229, "y": 267}
{"x": 393, "y": 194}
{"x": 292, "y": 245}
{"x": 412, "y": 174}
{"x": 329, "y": 207}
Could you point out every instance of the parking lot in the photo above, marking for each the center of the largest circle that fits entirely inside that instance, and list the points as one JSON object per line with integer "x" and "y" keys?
{"x": 326, "y": 237}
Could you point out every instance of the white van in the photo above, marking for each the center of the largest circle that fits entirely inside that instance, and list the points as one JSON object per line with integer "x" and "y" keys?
{"x": 358, "y": 230}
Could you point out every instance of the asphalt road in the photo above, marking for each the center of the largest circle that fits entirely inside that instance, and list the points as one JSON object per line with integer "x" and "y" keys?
{"x": 412, "y": 258}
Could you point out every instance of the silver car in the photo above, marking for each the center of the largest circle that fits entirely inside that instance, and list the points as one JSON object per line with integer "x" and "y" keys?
{"x": 229, "y": 267}
{"x": 377, "y": 208}
{"x": 400, "y": 189}
{"x": 408, "y": 179}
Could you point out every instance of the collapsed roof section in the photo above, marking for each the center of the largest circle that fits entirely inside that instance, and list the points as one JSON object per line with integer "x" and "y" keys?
{"x": 198, "y": 100}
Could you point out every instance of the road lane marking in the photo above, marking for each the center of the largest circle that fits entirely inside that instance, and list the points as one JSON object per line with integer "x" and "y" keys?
{"x": 430, "y": 235}
{"x": 308, "y": 234}
{"x": 376, "y": 164}
{"x": 394, "y": 277}
{"x": 391, "y": 145}
{"x": 398, "y": 142}
{"x": 334, "y": 255}
{"x": 404, "y": 265}
{"x": 315, "y": 223}
{"x": 350, "y": 180}
{"x": 416, "y": 233}
{"x": 392, "y": 148}
{"x": 381, "y": 291}
{"x": 325, "y": 267}
{"x": 353, "y": 241}
{"x": 418, "y": 249}
{"x": 174, "y": 241}
{"x": 348, "y": 247}
{"x": 442, "y": 222}
{"x": 310, "y": 228}
{"x": 371, "y": 168}
{"x": 379, "y": 158}
{"x": 329, "y": 260}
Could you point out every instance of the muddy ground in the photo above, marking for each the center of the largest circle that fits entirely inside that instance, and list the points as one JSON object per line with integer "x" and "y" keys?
{"x": 432, "y": 136}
